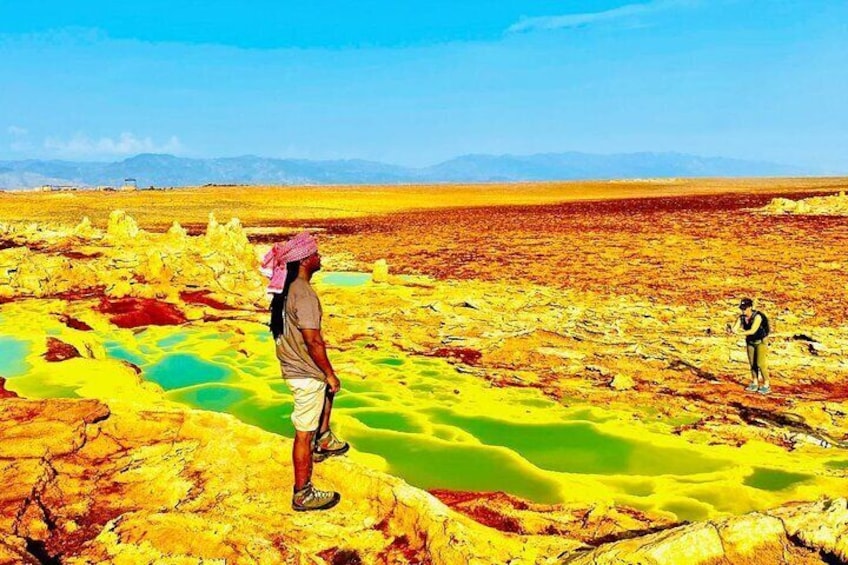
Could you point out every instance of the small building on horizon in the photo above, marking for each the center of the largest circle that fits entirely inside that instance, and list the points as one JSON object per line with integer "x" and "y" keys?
{"x": 129, "y": 184}
{"x": 57, "y": 188}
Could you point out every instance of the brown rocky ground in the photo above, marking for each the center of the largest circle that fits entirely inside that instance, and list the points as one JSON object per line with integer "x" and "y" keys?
{"x": 644, "y": 289}
{"x": 260, "y": 207}
{"x": 88, "y": 483}
{"x": 686, "y": 251}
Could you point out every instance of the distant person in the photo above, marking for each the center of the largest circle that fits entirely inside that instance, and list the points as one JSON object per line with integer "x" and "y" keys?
{"x": 755, "y": 327}
{"x": 296, "y": 326}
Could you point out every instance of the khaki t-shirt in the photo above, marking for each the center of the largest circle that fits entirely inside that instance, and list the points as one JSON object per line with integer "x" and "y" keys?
{"x": 303, "y": 312}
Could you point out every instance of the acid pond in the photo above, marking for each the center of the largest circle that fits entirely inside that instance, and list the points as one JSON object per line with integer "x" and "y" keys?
{"x": 421, "y": 419}
{"x": 438, "y": 428}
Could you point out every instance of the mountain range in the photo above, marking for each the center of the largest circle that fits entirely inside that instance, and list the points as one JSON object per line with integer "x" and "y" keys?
{"x": 162, "y": 170}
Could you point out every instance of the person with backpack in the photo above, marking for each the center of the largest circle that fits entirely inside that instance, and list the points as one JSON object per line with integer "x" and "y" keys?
{"x": 754, "y": 325}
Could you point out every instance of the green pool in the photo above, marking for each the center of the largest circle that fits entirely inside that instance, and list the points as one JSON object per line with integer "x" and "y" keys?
{"x": 13, "y": 353}
{"x": 435, "y": 427}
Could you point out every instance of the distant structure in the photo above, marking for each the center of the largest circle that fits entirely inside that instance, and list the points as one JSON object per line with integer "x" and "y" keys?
{"x": 129, "y": 184}
{"x": 57, "y": 188}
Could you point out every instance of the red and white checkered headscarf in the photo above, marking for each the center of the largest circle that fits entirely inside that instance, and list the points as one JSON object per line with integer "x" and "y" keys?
{"x": 297, "y": 248}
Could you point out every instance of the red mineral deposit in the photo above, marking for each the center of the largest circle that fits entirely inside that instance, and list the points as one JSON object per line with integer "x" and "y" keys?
{"x": 137, "y": 312}
{"x": 75, "y": 324}
{"x": 202, "y": 297}
{"x": 58, "y": 350}
{"x": 6, "y": 393}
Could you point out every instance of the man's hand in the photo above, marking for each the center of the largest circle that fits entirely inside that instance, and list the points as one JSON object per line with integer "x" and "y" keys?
{"x": 728, "y": 329}
{"x": 334, "y": 383}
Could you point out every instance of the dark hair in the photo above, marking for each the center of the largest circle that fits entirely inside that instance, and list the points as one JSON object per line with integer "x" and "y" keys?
{"x": 745, "y": 303}
{"x": 278, "y": 302}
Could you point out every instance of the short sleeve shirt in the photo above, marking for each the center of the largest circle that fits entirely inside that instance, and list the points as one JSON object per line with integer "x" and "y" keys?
{"x": 303, "y": 312}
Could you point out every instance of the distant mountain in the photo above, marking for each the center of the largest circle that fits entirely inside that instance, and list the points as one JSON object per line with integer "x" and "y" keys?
{"x": 580, "y": 166}
{"x": 168, "y": 170}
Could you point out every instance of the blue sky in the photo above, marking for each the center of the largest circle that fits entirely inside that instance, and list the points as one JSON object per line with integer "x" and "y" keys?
{"x": 414, "y": 83}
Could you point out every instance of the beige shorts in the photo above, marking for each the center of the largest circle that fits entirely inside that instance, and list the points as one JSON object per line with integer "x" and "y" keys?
{"x": 308, "y": 403}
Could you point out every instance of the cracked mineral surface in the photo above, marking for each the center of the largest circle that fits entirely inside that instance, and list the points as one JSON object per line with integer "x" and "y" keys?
{"x": 551, "y": 367}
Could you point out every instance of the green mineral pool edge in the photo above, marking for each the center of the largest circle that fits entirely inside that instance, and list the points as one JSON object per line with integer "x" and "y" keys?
{"x": 418, "y": 432}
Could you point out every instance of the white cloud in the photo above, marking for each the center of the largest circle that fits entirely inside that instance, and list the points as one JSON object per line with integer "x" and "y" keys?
{"x": 17, "y": 131}
{"x": 81, "y": 145}
{"x": 587, "y": 18}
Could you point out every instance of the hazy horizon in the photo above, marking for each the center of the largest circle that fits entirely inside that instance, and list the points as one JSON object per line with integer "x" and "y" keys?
{"x": 121, "y": 158}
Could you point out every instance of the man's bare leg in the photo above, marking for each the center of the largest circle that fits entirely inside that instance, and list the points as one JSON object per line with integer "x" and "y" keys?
{"x": 762, "y": 364}
{"x": 325, "y": 414}
{"x": 329, "y": 445}
{"x": 302, "y": 458}
{"x": 306, "y": 497}
{"x": 752, "y": 363}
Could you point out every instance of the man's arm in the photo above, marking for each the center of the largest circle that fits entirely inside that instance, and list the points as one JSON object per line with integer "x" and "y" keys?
{"x": 737, "y": 325}
{"x": 318, "y": 352}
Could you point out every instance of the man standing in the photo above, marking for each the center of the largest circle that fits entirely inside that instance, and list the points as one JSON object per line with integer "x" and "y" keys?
{"x": 754, "y": 326}
{"x": 296, "y": 325}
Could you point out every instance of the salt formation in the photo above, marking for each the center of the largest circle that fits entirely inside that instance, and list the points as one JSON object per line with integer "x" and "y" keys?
{"x": 229, "y": 254}
{"x": 128, "y": 262}
{"x": 85, "y": 230}
{"x": 177, "y": 233}
{"x": 380, "y": 273}
{"x": 835, "y": 205}
{"x": 121, "y": 226}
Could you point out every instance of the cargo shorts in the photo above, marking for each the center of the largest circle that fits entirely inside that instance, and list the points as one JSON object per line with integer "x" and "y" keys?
{"x": 309, "y": 397}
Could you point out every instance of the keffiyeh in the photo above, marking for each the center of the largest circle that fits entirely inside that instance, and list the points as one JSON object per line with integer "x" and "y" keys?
{"x": 297, "y": 248}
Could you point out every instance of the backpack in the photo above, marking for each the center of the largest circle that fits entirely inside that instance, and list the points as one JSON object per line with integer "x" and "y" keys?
{"x": 765, "y": 328}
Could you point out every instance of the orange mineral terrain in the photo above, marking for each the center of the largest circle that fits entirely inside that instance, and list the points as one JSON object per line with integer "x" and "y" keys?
{"x": 534, "y": 373}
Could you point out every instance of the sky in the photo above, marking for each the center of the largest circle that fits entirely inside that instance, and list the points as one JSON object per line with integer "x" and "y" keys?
{"x": 416, "y": 83}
